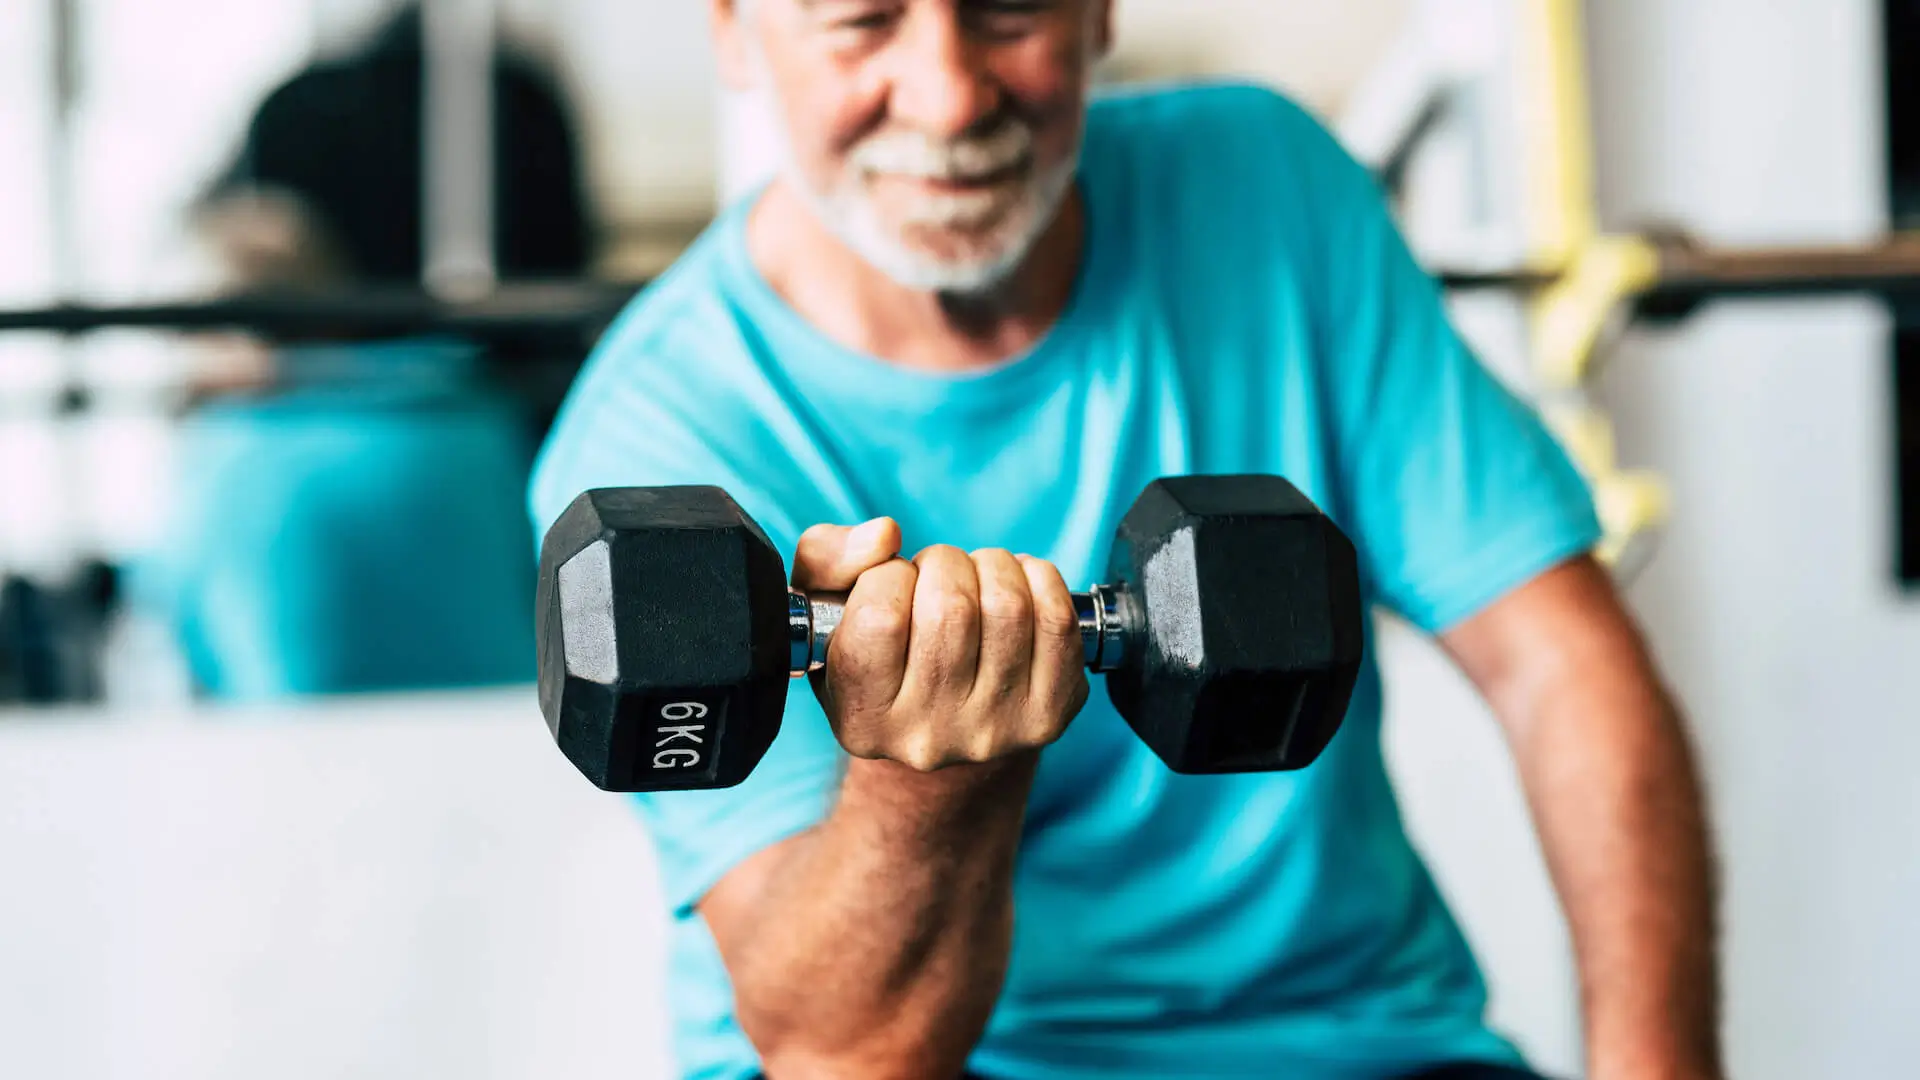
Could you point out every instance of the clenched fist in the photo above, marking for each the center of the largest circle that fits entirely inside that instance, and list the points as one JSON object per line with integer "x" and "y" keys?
{"x": 948, "y": 659}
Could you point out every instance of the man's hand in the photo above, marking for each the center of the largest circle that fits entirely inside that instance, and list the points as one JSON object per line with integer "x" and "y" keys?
{"x": 951, "y": 659}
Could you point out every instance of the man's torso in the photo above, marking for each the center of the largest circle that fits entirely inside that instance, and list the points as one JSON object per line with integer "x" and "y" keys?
{"x": 1166, "y": 925}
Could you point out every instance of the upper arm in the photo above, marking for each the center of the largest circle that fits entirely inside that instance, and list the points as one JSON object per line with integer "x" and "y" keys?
{"x": 1563, "y": 632}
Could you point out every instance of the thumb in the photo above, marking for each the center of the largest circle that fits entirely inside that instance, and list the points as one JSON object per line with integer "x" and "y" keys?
{"x": 830, "y": 558}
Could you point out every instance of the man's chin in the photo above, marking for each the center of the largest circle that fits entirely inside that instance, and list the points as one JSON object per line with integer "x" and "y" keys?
{"x": 958, "y": 255}
{"x": 952, "y": 278}
{"x": 945, "y": 271}
{"x": 964, "y": 257}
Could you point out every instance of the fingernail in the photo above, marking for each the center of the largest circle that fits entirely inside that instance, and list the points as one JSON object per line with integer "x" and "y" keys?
{"x": 867, "y": 534}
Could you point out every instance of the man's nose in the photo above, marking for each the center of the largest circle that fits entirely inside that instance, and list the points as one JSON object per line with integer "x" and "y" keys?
{"x": 941, "y": 84}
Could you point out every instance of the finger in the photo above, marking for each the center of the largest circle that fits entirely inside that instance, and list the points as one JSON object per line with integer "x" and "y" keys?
{"x": 1058, "y": 677}
{"x": 945, "y": 645}
{"x": 867, "y": 661}
{"x": 1006, "y": 629}
{"x": 830, "y": 558}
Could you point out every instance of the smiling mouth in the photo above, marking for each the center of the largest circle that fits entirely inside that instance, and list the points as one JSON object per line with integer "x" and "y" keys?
{"x": 959, "y": 185}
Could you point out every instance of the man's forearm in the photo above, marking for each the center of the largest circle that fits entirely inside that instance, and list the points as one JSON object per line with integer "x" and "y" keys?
{"x": 882, "y": 936}
{"x": 1616, "y": 800}
{"x": 1619, "y": 808}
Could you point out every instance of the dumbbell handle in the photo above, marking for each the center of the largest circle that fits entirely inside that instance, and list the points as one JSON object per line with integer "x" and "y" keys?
{"x": 1109, "y": 619}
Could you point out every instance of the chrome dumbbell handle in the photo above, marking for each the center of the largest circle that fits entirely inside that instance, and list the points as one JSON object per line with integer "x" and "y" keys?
{"x": 1108, "y": 622}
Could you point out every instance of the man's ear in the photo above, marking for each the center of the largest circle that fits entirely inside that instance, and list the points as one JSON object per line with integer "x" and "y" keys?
{"x": 1102, "y": 16}
{"x": 732, "y": 29}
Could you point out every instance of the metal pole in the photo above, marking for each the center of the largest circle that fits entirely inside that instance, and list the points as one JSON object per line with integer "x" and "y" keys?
{"x": 65, "y": 43}
{"x": 457, "y": 139}
{"x": 59, "y": 539}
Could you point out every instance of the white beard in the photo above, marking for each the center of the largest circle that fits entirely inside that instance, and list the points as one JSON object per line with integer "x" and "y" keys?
{"x": 1015, "y": 219}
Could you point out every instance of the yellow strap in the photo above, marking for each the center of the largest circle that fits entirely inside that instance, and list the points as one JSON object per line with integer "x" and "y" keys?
{"x": 1570, "y": 315}
{"x": 1594, "y": 275}
{"x": 1585, "y": 432}
{"x": 1633, "y": 508}
{"x": 1561, "y": 220}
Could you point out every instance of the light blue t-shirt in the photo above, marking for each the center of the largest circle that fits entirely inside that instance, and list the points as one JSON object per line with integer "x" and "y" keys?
{"x": 1245, "y": 305}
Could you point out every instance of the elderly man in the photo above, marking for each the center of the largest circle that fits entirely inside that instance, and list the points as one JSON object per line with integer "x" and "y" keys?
{"x": 978, "y": 309}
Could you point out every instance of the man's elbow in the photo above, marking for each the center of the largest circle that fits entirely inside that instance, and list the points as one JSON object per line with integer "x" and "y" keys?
{"x": 908, "y": 1041}
{"x": 887, "y": 1056}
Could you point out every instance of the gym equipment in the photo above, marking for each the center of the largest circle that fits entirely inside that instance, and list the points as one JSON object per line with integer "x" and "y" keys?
{"x": 561, "y": 307}
{"x": 1230, "y": 632}
{"x": 52, "y": 635}
{"x": 1661, "y": 276}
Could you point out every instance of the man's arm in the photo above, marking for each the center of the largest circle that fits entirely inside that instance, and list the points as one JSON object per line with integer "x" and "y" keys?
{"x": 875, "y": 944}
{"x": 1616, "y": 800}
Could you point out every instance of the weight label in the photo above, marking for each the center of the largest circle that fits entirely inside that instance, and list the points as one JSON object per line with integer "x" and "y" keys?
{"x": 679, "y": 744}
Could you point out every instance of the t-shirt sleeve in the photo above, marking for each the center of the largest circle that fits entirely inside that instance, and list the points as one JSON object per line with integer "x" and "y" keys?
{"x": 1453, "y": 489}
{"x": 626, "y": 424}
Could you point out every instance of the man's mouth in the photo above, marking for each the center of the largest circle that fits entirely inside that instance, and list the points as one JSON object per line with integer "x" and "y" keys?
{"x": 951, "y": 185}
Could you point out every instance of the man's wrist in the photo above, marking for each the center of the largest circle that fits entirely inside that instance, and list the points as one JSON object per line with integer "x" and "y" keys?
{"x": 1646, "y": 1059}
{"x": 1665, "y": 1071}
{"x": 954, "y": 781}
{"x": 964, "y": 791}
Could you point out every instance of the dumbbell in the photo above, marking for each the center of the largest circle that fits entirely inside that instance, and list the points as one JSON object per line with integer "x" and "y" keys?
{"x": 1230, "y": 631}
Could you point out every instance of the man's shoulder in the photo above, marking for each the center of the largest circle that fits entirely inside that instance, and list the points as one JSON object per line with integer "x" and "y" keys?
{"x": 660, "y": 388}
{"x": 1209, "y": 120}
{"x": 1225, "y": 166}
{"x": 685, "y": 307}
{"x": 1175, "y": 106}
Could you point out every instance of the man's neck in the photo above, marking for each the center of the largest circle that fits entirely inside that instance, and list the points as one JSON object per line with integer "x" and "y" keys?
{"x": 853, "y": 303}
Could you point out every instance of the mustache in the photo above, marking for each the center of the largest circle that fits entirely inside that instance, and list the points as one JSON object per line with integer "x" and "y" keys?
{"x": 1000, "y": 147}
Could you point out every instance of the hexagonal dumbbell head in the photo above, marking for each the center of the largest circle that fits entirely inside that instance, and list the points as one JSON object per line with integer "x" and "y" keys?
{"x": 1250, "y": 607}
{"x": 663, "y": 638}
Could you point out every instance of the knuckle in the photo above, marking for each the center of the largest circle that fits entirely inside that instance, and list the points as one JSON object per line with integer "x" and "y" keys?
{"x": 949, "y": 608}
{"x": 893, "y": 578}
{"x": 1044, "y": 729}
{"x": 1006, "y": 606}
{"x": 873, "y": 622}
{"x": 1000, "y": 557}
{"x": 1056, "y": 620}
{"x": 920, "y": 754}
{"x": 940, "y": 555}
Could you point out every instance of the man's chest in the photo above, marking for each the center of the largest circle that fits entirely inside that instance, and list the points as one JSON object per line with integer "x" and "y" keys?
{"x": 1050, "y": 472}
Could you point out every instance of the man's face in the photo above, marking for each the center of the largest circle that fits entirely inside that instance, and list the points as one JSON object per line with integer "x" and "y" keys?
{"x": 935, "y": 138}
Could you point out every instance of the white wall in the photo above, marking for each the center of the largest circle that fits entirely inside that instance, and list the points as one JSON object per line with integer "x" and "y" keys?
{"x": 1772, "y": 601}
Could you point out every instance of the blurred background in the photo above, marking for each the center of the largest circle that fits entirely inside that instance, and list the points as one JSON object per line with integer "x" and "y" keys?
{"x": 290, "y": 288}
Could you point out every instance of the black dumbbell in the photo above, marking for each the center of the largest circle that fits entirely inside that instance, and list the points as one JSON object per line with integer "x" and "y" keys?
{"x": 1230, "y": 632}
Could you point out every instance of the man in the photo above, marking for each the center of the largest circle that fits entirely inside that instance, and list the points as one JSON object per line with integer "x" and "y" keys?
{"x": 974, "y": 310}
